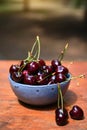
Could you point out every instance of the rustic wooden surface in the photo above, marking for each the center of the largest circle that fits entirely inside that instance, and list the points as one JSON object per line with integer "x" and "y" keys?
{"x": 15, "y": 115}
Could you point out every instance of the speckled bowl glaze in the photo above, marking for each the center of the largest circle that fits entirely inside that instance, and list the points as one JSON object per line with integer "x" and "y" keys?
{"x": 38, "y": 94}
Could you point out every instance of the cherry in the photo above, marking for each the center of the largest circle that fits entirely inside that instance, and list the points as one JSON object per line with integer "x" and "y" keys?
{"x": 29, "y": 79}
{"x": 23, "y": 62}
{"x": 33, "y": 67}
{"x": 76, "y": 113}
{"x": 61, "y": 116}
{"x": 17, "y": 77}
{"x": 47, "y": 69}
{"x": 41, "y": 79}
{"x": 41, "y": 62}
{"x": 60, "y": 78}
{"x": 25, "y": 72}
{"x": 52, "y": 79}
{"x": 62, "y": 69}
{"x": 55, "y": 63}
{"x": 14, "y": 68}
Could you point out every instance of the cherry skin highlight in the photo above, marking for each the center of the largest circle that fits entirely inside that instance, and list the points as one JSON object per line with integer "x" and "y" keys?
{"x": 76, "y": 113}
{"x": 61, "y": 116}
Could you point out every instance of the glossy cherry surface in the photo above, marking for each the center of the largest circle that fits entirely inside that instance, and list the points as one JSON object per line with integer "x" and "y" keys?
{"x": 41, "y": 79}
{"x": 41, "y": 62}
{"x": 52, "y": 79}
{"x": 29, "y": 79}
{"x": 60, "y": 78}
{"x": 33, "y": 67}
{"x": 14, "y": 68}
{"x": 55, "y": 63}
{"x": 61, "y": 116}
{"x": 76, "y": 113}
{"x": 17, "y": 77}
{"x": 62, "y": 69}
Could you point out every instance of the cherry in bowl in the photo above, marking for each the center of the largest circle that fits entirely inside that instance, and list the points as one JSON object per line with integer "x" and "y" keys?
{"x": 38, "y": 94}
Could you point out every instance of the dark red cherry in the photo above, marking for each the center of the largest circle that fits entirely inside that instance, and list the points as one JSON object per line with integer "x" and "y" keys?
{"x": 41, "y": 62}
{"x": 17, "y": 77}
{"x": 60, "y": 78}
{"x": 41, "y": 79}
{"x": 33, "y": 67}
{"x": 14, "y": 68}
{"x": 40, "y": 72}
{"x": 23, "y": 64}
{"x": 29, "y": 79}
{"x": 61, "y": 116}
{"x": 25, "y": 72}
{"x": 55, "y": 63}
{"x": 43, "y": 68}
{"x": 62, "y": 69}
{"x": 52, "y": 79}
{"x": 47, "y": 69}
{"x": 76, "y": 113}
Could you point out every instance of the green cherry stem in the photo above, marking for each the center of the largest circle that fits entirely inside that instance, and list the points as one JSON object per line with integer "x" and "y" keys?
{"x": 30, "y": 56}
{"x": 47, "y": 76}
{"x": 60, "y": 97}
{"x": 38, "y": 41}
{"x": 33, "y": 47}
{"x": 37, "y": 51}
{"x": 79, "y": 76}
{"x": 61, "y": 56}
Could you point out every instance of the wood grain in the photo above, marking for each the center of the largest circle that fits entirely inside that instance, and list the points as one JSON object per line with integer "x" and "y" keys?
{"x": 15, "y": 115}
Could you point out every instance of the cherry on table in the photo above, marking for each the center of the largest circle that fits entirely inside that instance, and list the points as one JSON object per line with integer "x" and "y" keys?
{"x": 76, "y": 113}
{"x": 61, "y": 116}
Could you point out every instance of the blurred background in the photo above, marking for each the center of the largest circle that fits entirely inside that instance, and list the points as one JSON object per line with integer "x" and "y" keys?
{"x": 56, "y": 22}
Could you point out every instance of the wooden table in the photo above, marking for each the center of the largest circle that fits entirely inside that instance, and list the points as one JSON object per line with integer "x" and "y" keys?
{"x": 15, "y": 115}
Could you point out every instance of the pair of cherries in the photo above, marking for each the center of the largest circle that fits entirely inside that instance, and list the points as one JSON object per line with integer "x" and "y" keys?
{"x": 61, "y": 114}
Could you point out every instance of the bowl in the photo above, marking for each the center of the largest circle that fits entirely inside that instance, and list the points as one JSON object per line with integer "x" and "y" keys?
{"x": 39, "y": 94}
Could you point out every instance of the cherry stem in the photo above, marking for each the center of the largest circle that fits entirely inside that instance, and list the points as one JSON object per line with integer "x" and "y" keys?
{"x": 33, "y": 47}
{"x": 79, "y": 76}
{"x": 61, "y": 56}
{"x": 37, "y": 53}
{"x": 60, "y": 97}
{"x": 47, "y": 76}
{"x": 38, "y": 41}
{"x": 30, "y": 56}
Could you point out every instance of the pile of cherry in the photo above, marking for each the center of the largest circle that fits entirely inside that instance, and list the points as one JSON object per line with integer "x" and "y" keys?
{"x": 34, "y": 71}
{"x": 38, "y": 73}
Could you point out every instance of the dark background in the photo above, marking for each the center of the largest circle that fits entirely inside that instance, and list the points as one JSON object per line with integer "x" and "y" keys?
{"x": 55, "y": 22}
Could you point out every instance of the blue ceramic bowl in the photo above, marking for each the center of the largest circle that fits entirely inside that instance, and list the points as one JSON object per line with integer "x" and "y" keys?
{"x": 38, "y": 94}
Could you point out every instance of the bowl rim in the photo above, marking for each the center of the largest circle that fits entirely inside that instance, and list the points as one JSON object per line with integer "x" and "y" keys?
{"x": 27, "y": 85}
